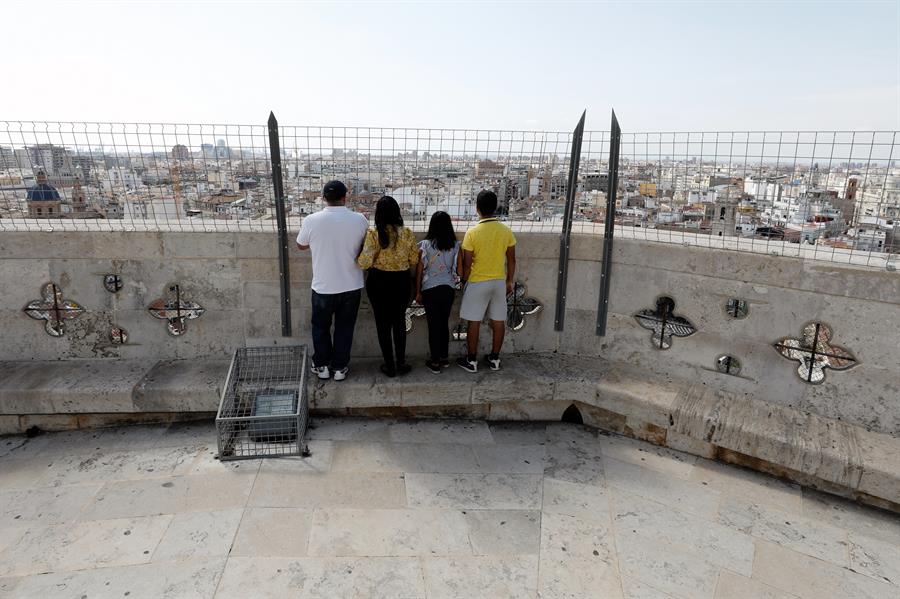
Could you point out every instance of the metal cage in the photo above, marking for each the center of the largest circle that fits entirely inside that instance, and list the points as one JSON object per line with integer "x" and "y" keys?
{"x": 264, "y": 410}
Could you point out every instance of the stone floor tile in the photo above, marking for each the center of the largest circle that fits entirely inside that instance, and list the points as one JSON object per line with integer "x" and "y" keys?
{"x": 54, "y": 505}
{"x": 322, "y": 578}
{"x": 575, "y": 464}
{"x": 671, "y": 568}
{"x": 21, "y": 473}
{"x": 465, "y": 432}
{"x": 855, "y": 517}
{"x": 273, "y": 532}
{"x": 198, "y": 535}
{"x": 388, "y": 533}
{"x": 875, "y": 558}
{"x": 126, "y": 499}
{"x": 510, "y": 458}
{"x": 79, "y": 442}
{"x": 403, "y": 457}
{"x": 350, "y": 429}
{"x": 504, "y": 532}
{"x": 194, "y": 432}
{"x": 793, "y": 531}
{"x": 661, "y": 459}
{"x": 577, "y": 578}
{"x": 195, "y": 579}
{"x": 735, "y": 586}
{"x": 716, "y": 543}
{"x": 567, "y": 537}
{"x": 588, "y": 502}
{"x": 319, "y": 460}
{"x": 65, "y": 547}
{"x": 8, "y": 586}
{"x": 332, "y": 489}
{"x": 518, "y": 433}
{"x": 104, "y": 466}
{"x": 474, "y": 491}
{"x": 747, "y": 484}
{"x": 207, "y": 462}
{"x": 635, "y": 589}
{"x": 811, "y": 578}
{"x": 510, "y": 577}
{"x": 684, "y": 495}
{"x": 578, "y": 435}
{"x": 19, "y": 447}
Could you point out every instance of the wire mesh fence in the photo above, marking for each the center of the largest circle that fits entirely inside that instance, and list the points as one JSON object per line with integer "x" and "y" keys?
{"x": 826, "y": 195}
{"x": 264, "y": 409}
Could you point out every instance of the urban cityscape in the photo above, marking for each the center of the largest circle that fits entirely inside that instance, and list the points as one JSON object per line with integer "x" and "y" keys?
{"x": 846, "y": 202}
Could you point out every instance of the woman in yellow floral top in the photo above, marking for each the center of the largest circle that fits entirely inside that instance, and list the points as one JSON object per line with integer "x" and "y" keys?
{"x": 389, "y": 252}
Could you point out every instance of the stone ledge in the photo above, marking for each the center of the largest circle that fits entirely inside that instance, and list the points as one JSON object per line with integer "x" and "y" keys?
{"x": 806, "y": 448}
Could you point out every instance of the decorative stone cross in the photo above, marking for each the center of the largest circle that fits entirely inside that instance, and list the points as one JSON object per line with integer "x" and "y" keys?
{"x": 664, "y": 323}
{"x": 815, "y": 353}
{"x": 518, "y": 306}
{"x": 175, "y": 310}
{"x": 53, "y": 309}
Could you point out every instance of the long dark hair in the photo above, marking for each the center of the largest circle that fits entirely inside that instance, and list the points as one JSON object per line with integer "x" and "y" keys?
{"x": 440, "y": 231}
{"x": 387, "y": 214}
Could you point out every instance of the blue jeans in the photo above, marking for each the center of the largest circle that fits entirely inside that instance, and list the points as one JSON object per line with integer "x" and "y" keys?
{"x": 342, "y": 309}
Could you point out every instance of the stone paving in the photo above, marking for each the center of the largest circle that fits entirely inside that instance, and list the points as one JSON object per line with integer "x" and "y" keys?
{"x": 436, "y": 509}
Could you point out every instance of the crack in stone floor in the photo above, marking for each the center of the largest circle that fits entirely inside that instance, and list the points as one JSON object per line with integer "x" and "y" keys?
{"x": 432, "y": 509}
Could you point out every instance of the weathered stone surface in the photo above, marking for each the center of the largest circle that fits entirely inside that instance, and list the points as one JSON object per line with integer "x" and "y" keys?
{"x": 182, "y": 386}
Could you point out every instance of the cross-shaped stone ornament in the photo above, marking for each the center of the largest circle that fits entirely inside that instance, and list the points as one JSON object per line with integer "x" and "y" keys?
{"x": 53, "y": 309}
{"x": 175, "y": 310}
{"x": 663, "y": 323}
{"x": 815, "y": 353}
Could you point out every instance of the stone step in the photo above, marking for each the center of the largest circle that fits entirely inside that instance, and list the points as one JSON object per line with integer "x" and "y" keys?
{"x": 815, "y": 451}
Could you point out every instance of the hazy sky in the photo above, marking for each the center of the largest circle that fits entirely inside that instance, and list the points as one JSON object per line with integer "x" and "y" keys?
{"x": 662, "y": 65}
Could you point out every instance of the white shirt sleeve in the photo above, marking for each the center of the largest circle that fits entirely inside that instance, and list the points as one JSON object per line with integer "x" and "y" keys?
{"x": 303, "y": 235}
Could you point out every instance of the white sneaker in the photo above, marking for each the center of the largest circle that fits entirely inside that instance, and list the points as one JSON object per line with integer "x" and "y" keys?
{"x": 322, "y": 372}
{"x": 341, "y": 374}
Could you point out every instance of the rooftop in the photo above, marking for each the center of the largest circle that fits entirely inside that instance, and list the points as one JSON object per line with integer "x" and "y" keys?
{"x": 394, "y": 508}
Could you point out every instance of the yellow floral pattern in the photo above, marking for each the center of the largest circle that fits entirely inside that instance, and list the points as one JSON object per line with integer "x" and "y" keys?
{"x": 401, "y": 254}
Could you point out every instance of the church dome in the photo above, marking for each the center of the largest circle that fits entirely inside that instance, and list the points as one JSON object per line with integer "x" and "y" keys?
{"x": 42, "y": 192}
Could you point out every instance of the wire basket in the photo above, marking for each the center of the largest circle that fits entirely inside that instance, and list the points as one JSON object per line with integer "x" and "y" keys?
{"x": 264, "y": 409}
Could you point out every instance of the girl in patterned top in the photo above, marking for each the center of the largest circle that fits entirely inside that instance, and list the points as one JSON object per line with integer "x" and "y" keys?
{"x": 389, "y": 252}
{"x": 437, "y": 280}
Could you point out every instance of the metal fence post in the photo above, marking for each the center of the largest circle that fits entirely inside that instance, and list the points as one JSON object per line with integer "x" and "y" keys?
{"x": 278, "y": 191}
{"x": 563, "y": 271}
{"x": 612, "y": 187}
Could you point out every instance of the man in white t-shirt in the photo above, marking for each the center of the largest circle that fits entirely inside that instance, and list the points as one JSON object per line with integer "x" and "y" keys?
{"x": 335, "y": 236}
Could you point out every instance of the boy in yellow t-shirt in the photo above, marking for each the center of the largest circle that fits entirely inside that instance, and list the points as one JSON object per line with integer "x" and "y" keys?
{"x": 489, "y": 266}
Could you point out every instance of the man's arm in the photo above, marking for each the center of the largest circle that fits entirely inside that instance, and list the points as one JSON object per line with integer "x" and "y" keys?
{"x": 510, "y": 268}
{"x": 467, "y": 257}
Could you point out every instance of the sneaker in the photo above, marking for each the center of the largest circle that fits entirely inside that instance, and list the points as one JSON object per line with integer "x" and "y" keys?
{"x": 467, "y": 364}
{"x": 341, "y": 373}
{"x": 434, "y": 367}
{"x": 444, "y": 362}
{"x": 321, "y": 372}
{"x": 403, "y": 369}
{"x": 493, "y": 361}
{"x": 388, "y": 371}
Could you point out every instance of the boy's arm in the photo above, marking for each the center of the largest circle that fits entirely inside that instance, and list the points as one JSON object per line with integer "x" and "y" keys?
{"x": 467, "y": 256}
{"x": 510, "y": 268}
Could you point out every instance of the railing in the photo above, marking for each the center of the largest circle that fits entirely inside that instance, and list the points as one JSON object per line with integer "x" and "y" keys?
{"x": 826, "y": 195}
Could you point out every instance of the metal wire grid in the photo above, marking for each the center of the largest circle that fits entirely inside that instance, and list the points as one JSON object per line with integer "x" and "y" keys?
{"x": 264, "y": 408}
{"x": 824, "y": 195}
{"x": 209, "y": 177}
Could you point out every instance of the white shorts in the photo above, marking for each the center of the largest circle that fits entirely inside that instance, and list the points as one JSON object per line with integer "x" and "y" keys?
{"x": 484, "y": 297}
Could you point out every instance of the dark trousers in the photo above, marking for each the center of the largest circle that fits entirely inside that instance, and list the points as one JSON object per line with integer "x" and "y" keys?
{"x": 389, "y": 295}
{"x": 438, "y": 302}
{"x": 342, "y": 309}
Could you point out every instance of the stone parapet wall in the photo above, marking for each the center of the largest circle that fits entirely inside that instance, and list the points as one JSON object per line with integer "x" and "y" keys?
{"x": 234, "y": 277}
